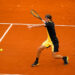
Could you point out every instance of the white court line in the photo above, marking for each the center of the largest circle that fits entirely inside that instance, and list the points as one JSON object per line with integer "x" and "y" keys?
{"x": 25, "y": 24}
{"x": 5, "y": 32}
{"x": 11, "y": 74}
{"x": 36, "y": 24}
{"x": 66, "y": 25}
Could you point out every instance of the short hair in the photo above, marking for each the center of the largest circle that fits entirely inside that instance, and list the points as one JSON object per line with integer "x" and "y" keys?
{"x": 48, "y": 16}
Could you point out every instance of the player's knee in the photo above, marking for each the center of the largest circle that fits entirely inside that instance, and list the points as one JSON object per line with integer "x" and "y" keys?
{"x": 54, "y": 55}
{"x": 40, "y": 48}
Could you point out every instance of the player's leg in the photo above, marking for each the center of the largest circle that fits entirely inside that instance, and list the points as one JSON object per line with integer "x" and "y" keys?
{"x": 41, "y": 48}
{"x": 56, "y": 56}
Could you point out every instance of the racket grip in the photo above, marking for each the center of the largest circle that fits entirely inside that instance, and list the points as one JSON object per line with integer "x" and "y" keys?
{"x": 43, "y": 20}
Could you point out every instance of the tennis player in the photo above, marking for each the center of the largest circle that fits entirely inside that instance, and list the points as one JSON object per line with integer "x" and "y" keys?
{"x": 52, "y": 41}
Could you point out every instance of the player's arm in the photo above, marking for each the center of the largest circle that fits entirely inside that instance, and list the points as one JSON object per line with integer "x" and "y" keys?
{"x": 31, "y": 26}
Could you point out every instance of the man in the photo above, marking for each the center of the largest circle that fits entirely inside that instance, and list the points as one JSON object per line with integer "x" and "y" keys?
{"x": 51, "y": 41}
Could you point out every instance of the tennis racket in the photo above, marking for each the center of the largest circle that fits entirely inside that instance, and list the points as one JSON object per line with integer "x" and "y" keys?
{"x": 35, "y": 14}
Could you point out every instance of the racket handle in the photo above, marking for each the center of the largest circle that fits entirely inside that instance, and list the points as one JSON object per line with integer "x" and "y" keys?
{"x": 43, "y": 20}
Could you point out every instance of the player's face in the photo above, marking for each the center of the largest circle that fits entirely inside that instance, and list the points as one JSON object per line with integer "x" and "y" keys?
{"x": 47, "y": 20}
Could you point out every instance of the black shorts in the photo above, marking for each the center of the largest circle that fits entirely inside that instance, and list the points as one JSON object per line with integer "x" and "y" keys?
{"x": 56, "y": 46}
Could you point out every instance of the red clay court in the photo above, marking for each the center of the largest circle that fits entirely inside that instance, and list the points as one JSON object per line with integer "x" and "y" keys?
{"x": 20, "y": 44}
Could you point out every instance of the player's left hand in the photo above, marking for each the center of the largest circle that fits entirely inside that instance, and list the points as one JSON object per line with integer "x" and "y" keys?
{"x": 29, "y": 26}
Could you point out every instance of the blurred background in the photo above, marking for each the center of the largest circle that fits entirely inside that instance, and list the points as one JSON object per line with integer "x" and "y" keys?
{"x": 18, "y": 11}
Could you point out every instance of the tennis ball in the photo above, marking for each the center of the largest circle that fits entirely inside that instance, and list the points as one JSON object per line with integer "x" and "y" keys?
{"x": 1, "y": 50}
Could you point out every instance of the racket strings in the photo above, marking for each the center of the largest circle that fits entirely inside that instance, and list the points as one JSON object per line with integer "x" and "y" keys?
{"x": 34, "y": 13}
